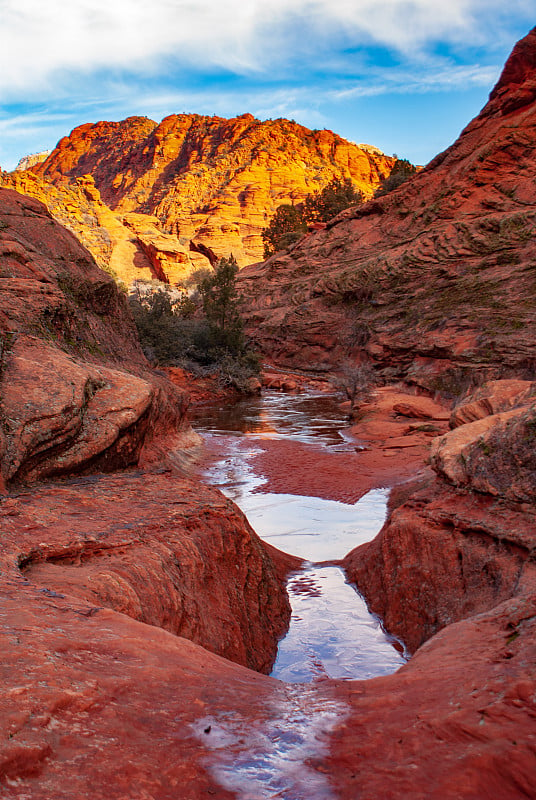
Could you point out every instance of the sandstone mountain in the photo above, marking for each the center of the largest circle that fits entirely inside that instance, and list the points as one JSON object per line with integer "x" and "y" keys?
{"x": 213, "y": 181}
{"x": 432, "y": 282}
{"x": 129, "y": 246}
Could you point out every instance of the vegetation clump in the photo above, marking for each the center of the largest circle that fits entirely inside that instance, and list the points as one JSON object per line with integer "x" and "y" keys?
{"x": 286, "y": 227}
{"x": 357, "y": 381}
{"x": 289, "y": 222}
{"x": 401, "y": 171}
{"x": 202, "y": 331}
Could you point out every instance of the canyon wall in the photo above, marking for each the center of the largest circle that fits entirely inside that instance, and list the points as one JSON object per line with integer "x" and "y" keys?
{"x": 76, "y": 389}
{"x": 213, "y": 181}
{"x": 453, "y": 573}
{"x": 433, "y": 282}
{"x": 130, "y": 247}
{"x": 79, "y": 398}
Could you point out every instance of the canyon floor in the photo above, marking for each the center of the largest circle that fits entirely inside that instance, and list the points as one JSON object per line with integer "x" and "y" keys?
{"x": 103, "y": 698}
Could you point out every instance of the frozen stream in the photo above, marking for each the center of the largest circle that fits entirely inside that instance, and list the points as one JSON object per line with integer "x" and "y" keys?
{"x": 331, "y": 634}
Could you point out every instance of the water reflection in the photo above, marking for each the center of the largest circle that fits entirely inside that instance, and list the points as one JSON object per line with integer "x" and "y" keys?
{"x": 276, "y": 758}
{"x": 304, "y": 418}
{"x": 331, "y": 633}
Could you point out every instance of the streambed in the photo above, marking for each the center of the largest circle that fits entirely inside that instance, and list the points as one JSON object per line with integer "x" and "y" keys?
{"x": 332, "y": 634}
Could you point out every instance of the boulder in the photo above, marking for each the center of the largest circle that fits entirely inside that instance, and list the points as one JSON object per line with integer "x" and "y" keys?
{"x": 492, "y": 398}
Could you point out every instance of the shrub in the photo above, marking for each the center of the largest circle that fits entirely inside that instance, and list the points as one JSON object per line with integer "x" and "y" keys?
{"x": 336, "y": 196}
{"x": 288, "y": 219}
{"x": 401, "y": 171}
{"x": 207, "y": 333}
{"x": 357, "y": 382}
{"x": 221, "y": 307}
{"x": 290, "y": 222}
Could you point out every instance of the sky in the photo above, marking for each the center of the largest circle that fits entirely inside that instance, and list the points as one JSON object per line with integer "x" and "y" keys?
{"x": 403, "y": 75}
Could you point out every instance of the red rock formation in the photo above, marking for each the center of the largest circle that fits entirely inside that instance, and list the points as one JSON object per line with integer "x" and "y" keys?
{"x": 444, "y": 555}
{"x": 456, "y": 722}
{"x": 495, "y": 455}
{"x": 211, "y": 180}
{"x": 162, "y": 550}
{"x": 492, "y": 398}
{"x": 130, "y": 246}
{"x": 93, "y": 698}
{"x": 433, "y": 282}
{"x": 96, "y": 703}
{"x": 452, "y": 573}
{"x": 77, "y": 392}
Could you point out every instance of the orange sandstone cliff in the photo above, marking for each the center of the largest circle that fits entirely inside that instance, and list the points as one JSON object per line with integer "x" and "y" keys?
{"x": 431, "y": 282}
{"x": 213, "y": 181}
{"x": 129, "y": 246}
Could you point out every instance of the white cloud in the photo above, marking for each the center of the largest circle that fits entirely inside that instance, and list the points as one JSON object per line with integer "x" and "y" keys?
{"x": 43, "y": 41}
{"x": 405, "y": 82}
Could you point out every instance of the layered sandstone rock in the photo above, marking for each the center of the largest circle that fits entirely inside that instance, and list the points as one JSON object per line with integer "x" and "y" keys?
{"x": 214, "y": 181}
{"x": 77, "y": 392}
{"x": 460, "y": 545}
{"x": 492, "y": 398}
{"x": 131, "y": 247}
{"x": 452, "y": 573}
{"x": 433, "y": 282}
{"x": 458, "y": 720}
{"x": 444, "y": 555}
{"x": 165, "y": 551}
{"x": 496, "y": 455}
{"x": 101, "y": 577}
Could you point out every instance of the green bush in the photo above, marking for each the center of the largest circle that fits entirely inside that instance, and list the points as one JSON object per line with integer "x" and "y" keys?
{"x": 204, "y": 334}
{"x": 221, "y": 307}
{"x": 401, "y": 171}
{"x": 287, "y": 222}
{"x": 290, "y": 222}
{"x": 335, "y": 197}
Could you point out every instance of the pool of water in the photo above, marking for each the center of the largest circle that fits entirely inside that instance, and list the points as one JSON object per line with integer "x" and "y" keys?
{"x": 332, "y": 634}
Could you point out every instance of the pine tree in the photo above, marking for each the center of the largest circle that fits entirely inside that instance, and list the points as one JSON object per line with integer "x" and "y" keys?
{"x": 221, "y": 306}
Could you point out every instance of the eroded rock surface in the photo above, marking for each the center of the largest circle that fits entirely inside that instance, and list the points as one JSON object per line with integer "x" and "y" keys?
{"x": 131, "y": 247}
{"x": 77, "y": 393}
{"x": 214, "y": 181}
{"x": 165, "y": 551}
{"x": 492, "y": 398}
{"x": 458, "y": 721}
{"x": 453, "y": 574}
{"x": 444, "y": 555}
{"x": 433, "y": 282}
{"x": 496, "y": 455}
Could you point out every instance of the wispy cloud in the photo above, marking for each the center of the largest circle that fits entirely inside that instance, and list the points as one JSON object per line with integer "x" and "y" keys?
{"x": 43, "y": 43}
{"x": 64, "y": 62}
{"x": 406, "y": 82}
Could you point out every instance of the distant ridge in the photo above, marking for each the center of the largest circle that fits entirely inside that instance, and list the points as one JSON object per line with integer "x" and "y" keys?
{"x": 211, "y": 180}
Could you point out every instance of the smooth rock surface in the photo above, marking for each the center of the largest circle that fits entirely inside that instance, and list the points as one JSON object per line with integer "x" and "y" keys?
{"x": 77, "y": 392}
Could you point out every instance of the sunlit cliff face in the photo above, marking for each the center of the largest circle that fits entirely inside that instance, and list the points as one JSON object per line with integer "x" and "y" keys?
{"x": 212, "y": 180}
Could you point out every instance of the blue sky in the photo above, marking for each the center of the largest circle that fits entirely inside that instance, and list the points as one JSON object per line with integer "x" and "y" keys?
{"x": 404, "y": 75}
